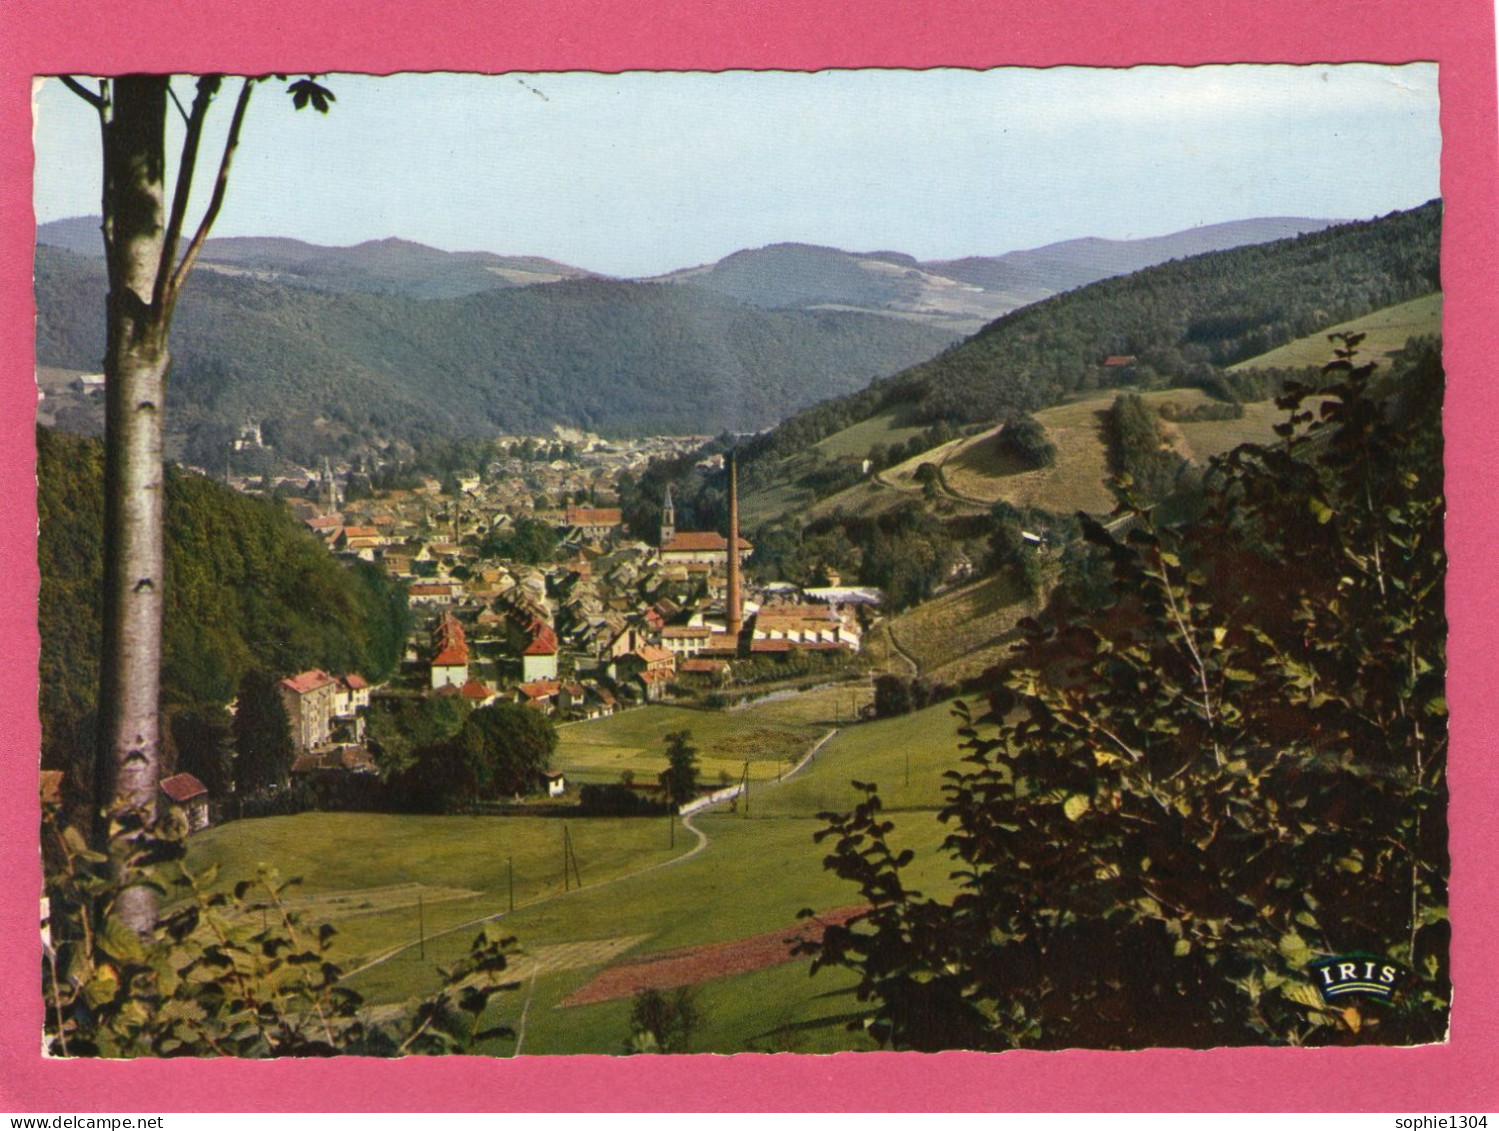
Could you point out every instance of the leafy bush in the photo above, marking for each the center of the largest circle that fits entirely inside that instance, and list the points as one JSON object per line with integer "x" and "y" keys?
{"x": 224, "y": 973}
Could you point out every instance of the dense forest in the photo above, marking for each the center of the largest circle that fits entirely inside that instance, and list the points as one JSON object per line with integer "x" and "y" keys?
{"x": 248, "y": 588}
{"x": 617, "y": 358}
{"x": 1177, "y": 324}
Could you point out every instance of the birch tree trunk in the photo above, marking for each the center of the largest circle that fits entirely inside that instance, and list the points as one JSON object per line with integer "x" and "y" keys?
{"x": 136, "y": 363}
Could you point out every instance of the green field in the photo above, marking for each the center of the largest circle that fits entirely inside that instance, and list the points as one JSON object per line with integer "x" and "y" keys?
{"x": 882, "y": 428}
{"x": 771, "y": 735}
{"x": 1387, "y": 332}
{"x": 758, "y": 868}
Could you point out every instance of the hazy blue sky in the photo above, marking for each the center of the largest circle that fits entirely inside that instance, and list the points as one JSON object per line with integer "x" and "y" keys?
{"x": 642, "y": 173}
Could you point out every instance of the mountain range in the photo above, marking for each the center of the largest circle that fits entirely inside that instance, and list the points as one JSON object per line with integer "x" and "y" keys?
{"x": 392, "y": 339}
{"x": 956, "y": 295}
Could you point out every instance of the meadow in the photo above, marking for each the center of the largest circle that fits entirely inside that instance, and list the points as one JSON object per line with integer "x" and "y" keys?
{"x": 1387, "y": 331}
{"x": 752, "y": 870}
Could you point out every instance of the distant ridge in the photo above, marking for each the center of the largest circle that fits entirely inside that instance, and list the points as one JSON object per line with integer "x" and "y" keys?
{"x": 956, "y": 295}
{"x": 387, "y": 266}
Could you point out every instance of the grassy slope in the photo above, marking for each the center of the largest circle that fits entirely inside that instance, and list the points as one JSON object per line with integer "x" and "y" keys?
{"x": 962, "y": 632}
{"x": 1387, "y": 332}
{"x": 772, "y": 736}
{"x": 1076, "y": 482}
{"x": 760, "y": 868}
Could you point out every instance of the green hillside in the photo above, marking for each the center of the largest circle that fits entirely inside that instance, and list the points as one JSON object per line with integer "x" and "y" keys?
{"x": 248, "y": 586}
{"x": 1187, "y": 324}
{"x": 613, "y": 357}
{"x": 1386, "y": 332}
{"x": 1178, "y": 322}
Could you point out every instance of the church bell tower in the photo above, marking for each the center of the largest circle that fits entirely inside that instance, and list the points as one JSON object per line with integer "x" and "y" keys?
{"x": 668, "y": 518}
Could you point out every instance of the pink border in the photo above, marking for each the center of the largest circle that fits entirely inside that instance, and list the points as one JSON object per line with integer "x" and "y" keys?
{"x": 50, "y": 36}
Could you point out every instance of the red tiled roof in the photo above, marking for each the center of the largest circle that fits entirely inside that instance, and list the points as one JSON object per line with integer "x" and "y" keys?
{"x": 183, "y": 787}
{"x": 659, "y": 675}
{"x": 692, "y": 541}
{"x": 476, "y": 689}
{"x": 436, "y": 590}
{"x": 361, "y": 532}
{"x": 770, "y": 645}
{"x": 1117, "y": 359}
{"x": 703, "y": 667}
{"x": 593, "y": 516}
{"x": 355, "y": 682}
{"x": 307, "y": 681}
{"x": 539, "y": 689}
{"x": 543, "y": 643}
{"x": 686, "y": 632}
{"x": 452, "y": 656}
{"x": 653, "y": 655}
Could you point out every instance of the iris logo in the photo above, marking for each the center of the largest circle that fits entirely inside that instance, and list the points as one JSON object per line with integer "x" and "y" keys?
{"x": 1349, "y": 974}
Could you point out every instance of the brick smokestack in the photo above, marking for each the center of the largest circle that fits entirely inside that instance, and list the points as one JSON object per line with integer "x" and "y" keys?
{"x": 735, "y": 614}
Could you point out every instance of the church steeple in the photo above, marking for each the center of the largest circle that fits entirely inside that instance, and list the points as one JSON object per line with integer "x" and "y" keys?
{"x": 668, "y": 518}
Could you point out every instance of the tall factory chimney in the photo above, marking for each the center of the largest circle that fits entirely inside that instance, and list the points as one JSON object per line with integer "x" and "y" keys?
{"x": 735, "y": 612}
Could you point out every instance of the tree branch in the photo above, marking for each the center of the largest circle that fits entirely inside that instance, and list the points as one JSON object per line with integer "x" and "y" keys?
{"x": 177, "y": 101}
{"x": 221, "y": 182}
{"x": 208, "y": 86}
{"x": 83, "y": 92}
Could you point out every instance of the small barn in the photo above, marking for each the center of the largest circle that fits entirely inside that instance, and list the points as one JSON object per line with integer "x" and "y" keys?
{"x": 556, "y": 783}
{"x": 187, "y": 793}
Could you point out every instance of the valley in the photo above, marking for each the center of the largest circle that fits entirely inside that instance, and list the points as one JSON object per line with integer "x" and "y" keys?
{"x": 506, "y": 594}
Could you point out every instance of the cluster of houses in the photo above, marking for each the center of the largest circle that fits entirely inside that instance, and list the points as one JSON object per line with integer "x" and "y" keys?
{"x": 615, "y": 621}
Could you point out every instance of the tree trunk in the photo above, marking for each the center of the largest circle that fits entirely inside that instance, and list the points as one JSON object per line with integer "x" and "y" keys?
{"x": 136, "y": 362}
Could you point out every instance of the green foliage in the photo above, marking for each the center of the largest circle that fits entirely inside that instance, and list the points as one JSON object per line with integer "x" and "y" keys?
{"x": 233, "y": 973}
{"x": 509, "y": 747}
{"x": 525, "y": 540}
{"x": 663, "y": 1022}
{"x": 203, "y": 738}
{"x": 247, "y": 586}
{"x": 399, "y": 727}
{"x": 1138, "y": 451}
{"x": 1178, "y": 800}
{"x": 679, "y": 779}
{"x": 906, "y": 552}
{"x": 262, "y": 735}
{"x": 1024, "y": 439}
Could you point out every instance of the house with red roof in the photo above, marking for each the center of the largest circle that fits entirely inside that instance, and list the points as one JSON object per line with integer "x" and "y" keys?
{"x": 448, "y": 655}
{"x": 539, "y": 657}
{"x": 188, "y": 795}
{"x": 311, "y": 700}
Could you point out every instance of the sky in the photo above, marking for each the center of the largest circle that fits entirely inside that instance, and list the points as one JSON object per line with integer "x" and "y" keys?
{"x": 647, "y": 172}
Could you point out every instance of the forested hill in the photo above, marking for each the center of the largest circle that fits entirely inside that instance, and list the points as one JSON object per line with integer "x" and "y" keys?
{"x": 1177, "y": 324}
{"x": 614, "y": 357}
{"x": 248, "y": 587}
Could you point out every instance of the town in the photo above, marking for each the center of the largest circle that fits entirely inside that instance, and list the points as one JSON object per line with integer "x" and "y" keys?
{"x": 609, "y": 618}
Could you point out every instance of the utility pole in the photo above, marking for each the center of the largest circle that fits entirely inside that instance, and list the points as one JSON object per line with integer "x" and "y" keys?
{"x": 421, "y": 925}
{"x": 745, "y": 789}
{"x": 510, "y": 869}
{"x": 569, "y": 857}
